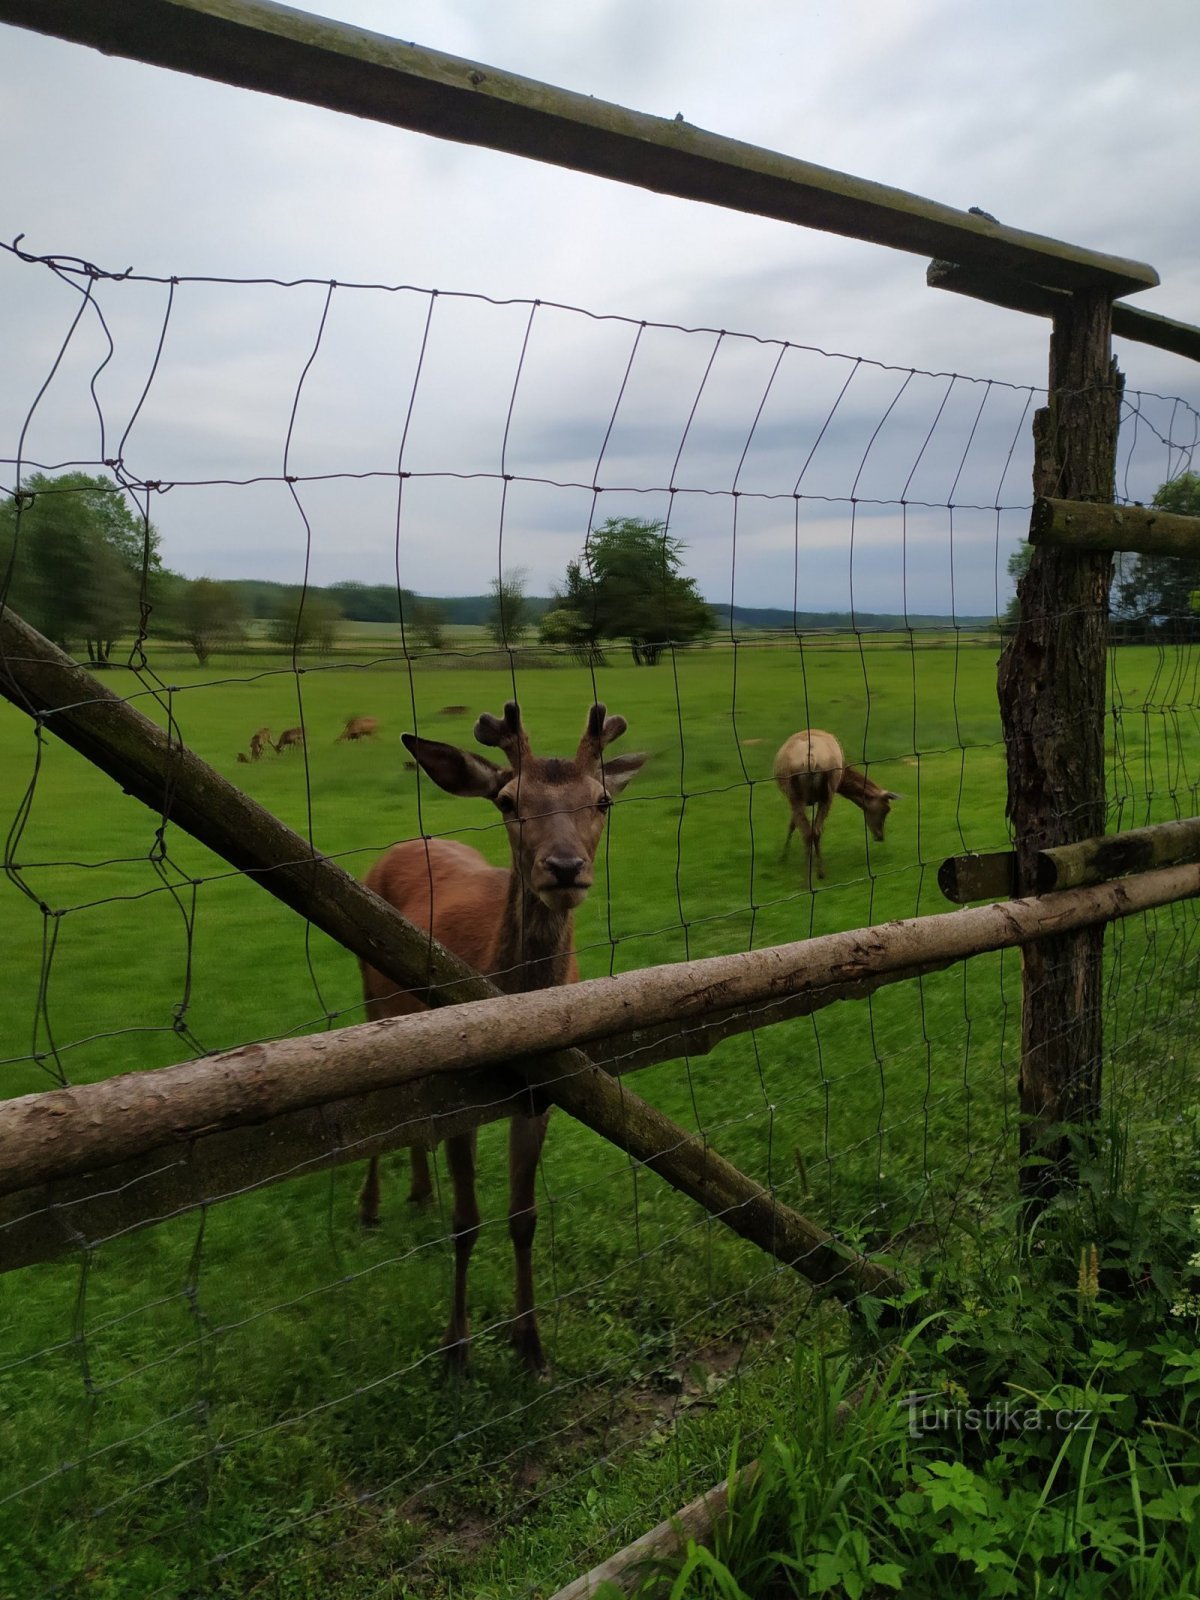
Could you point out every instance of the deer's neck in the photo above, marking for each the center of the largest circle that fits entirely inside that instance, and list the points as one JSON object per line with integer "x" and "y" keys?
{"x": 856, "y": 786}
{"x": 534, "y": 946}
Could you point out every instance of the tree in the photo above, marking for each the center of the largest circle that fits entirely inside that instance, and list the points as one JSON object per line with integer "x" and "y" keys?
{"x": 1157, "y": 589}
{"x": 305, "y": 620}
{"x": 78, "y": 558}
{"x": 627, "y": 584}
{"x": 1018, "y": 566}
{"x": 565, "y": 627}
{"x": 509, "y": 615}
{"x": 209, "y": 615}
{"x": 428, "y": 620}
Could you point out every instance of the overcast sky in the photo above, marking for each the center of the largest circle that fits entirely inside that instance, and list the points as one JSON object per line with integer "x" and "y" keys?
{"x": 1074, "y": 118}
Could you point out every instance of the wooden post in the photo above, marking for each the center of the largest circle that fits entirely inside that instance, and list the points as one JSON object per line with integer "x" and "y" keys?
{"x": 1052, "y": 705}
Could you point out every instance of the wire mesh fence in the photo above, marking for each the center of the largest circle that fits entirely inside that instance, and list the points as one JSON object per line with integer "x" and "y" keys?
{"x": 251, "y": 1391}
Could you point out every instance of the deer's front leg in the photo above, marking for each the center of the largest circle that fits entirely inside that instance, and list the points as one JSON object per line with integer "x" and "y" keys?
{"x": 460, "y": 1159}
{"x": 525, "y": 1138}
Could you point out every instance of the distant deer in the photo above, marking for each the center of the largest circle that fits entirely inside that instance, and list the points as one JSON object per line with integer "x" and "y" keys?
{"x": 259, "y": 742}
{"x": 514, "y": 924}
{"x": 290, "y": 737}
{"x": 810, "y": 769}
{"x": 358, "y": 728}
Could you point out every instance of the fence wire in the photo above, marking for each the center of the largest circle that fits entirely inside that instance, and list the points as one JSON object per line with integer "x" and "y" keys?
{"x": 251, "y": 1390}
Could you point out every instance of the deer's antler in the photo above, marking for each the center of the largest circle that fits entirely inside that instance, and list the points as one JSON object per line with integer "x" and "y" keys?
{"x": 599, "y": 731}
{"x": 507, "y": 734}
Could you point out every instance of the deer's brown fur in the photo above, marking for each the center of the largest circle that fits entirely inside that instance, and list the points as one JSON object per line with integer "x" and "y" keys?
{"x": 290, "y": 737}
{"x": 514, "y": 924}
{"x": 810, "y": 769}
{"x": 358, "y": 728}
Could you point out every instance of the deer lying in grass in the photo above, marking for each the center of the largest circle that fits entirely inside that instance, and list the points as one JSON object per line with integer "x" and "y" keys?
{"x": 810, "y": 769}
{"x": 514, "y": 924}
{"x": 358, "y": 728}
{"x": 290, "y": 737}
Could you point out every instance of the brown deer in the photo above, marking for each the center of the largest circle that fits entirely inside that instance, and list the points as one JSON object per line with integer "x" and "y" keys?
{"x": 259, "y": 742}
{"x": 358, "y": 728}
{"x": 514, "y": 924}
{"x": 290, "y": 737}
{"x": 810, "y": 769}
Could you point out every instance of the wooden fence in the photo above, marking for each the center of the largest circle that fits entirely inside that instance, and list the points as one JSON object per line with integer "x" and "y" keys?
{"x": 66, "y": 1187}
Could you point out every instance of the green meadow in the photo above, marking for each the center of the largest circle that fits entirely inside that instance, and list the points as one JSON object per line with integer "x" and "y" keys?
{"x": 247, "y": 1399}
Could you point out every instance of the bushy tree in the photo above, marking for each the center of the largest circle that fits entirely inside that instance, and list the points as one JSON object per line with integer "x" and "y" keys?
{"x": 209, "y": 616}
{"x": 428, "y": 621}
{"x": 304, "y": 621}
{"x": 628, "y": 584}
{"x": 1158, "y": 588}
{"x": 509, "y": 615}
{"x": 73, "y": 555}
{"x": 563, "y": 626}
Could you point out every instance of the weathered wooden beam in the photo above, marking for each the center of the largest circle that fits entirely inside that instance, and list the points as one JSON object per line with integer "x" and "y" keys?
{"x": 696, "y": 1521}
{"x": 1052, "y": 681}
{"x": 1068, "y": 866}
{"x": 1017, "y": 294}
{"x": 67, "y": 1214}
{"x": 62, "y": 1132}
{"x": 1094, "y": 525}
{"x": 278, "y": 50}
{"x": 44, "y": 682}
{"x": 1071, "y": 866}
{"x": 987, "y": 876}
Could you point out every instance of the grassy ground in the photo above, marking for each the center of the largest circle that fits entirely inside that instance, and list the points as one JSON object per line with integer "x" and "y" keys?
{"x": 246, "y": 1400}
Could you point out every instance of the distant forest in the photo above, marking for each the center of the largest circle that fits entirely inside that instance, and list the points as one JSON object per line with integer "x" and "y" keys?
{"x": 379, "y": 602}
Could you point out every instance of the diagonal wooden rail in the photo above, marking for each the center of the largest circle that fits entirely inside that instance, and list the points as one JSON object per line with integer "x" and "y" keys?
{"x": 154, "y": 766}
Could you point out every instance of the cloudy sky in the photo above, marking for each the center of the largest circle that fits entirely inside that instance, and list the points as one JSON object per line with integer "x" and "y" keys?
{"x": 1070, "y": 119}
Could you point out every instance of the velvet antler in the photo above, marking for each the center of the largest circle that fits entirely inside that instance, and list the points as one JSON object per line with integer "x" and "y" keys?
{"x": 506, "y": 734}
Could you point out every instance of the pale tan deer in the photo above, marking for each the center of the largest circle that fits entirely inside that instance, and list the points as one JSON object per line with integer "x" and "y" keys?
{"x": 514, "y": 924}
{"x": 259, "y": 742}
{"x": 290, "y": 737}
{"x": 358, "y": 728}
{"x": 810, "y": 770}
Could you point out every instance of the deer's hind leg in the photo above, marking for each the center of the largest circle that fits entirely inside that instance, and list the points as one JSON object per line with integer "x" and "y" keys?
{"x": 818, "y": 828}
{"x": 525, "y": 1138}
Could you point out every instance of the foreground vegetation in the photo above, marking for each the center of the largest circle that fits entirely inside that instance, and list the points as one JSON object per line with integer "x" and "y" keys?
{"x": 246, "y": 1399}
{"x": 1036, "y": 1432}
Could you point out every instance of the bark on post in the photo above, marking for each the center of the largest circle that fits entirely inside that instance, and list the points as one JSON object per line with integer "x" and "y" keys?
{"x": 1052, "y": 704}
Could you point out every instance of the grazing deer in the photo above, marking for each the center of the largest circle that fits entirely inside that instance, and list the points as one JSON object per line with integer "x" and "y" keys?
{"x": 810, "y": 769}
{"x": 259, "y": 742}
{"x": 514, "y": 924}
{"x": 358, "y": 728}
{"x": 290, "y": 737}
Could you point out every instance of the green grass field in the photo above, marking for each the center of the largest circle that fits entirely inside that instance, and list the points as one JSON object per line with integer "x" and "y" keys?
{"x": 246, "y": 1399}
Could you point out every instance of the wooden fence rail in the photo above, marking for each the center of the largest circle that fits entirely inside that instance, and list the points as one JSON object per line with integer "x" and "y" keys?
{"x": 65, "y": 1151}
{"x": 278, "y": 50}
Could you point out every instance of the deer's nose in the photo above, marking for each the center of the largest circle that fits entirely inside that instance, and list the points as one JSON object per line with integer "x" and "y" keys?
{"x": 565, "y": 869}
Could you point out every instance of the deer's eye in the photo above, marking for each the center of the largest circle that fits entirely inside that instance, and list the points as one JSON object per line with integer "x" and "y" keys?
{"x": 506, "y": 804}
{"x": 604, "y": 802}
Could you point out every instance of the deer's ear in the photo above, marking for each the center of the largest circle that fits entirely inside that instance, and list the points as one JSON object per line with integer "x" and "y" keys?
{"x": 459, "y": 772}
{"x": 621, "y": 770}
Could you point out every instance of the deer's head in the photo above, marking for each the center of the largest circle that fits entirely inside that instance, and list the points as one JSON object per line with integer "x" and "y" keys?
{"x": 554, "y": 809}
{"x": 876, "y": 808}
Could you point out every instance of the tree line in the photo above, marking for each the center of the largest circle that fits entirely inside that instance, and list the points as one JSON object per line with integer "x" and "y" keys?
{"x": 85, "y": 569}
{"x": 82, "y": 566}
